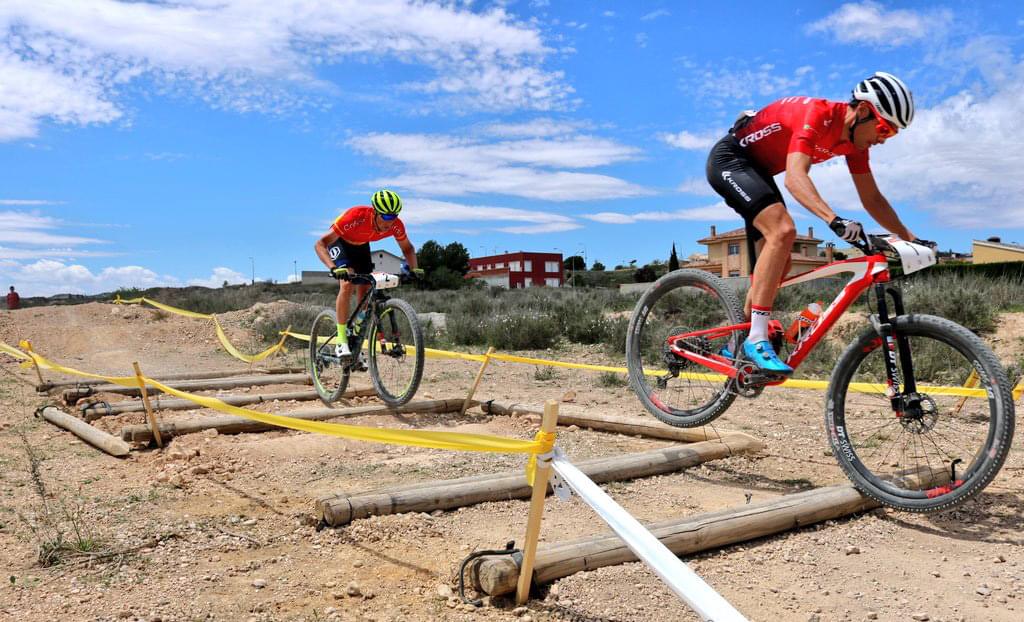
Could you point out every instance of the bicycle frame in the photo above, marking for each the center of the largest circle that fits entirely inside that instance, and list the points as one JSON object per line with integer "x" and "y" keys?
{"x": 867, "y": 271}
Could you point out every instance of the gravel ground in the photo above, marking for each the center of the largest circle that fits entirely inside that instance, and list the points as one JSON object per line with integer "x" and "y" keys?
{"x": 218, "y": 527}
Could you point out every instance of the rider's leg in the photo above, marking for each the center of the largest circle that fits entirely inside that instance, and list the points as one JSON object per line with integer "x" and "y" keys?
{"x": 776, "y": 225}
{"x": 779, "y": 232}
{"x": 341, "y": 306}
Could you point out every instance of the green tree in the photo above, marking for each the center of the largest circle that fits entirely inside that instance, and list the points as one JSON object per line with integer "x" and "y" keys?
{"x": 645, "y": 274}
{"x": 574, "y": 262}
{"x": 597, "y": 267}
{"x": 456, "y": 258}
{"x": 673, "y": 260}
{"x": 430, "y": 256}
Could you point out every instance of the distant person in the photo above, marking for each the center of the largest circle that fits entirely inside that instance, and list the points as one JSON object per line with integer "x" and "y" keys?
{"x": 345, "y": 250}
{"x": 13, "y": 300}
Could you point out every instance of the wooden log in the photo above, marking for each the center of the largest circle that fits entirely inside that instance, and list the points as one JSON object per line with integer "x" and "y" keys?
{"x": 340, "y": 509}
{"x": 634, "y": 426}
{"x": 230, "y": 424}
{"x": 93, "y": 411}
{"x": 97, "y": 438}
{"x": 683, "y": 536}
{"x": 202, "y": 375}
{"x": 71, "y": 396}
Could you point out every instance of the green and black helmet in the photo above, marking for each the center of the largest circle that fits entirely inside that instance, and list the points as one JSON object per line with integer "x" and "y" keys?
{"x": 387, "y": 203}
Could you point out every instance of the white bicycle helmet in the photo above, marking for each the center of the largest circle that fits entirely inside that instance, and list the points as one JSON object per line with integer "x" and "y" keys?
{"x": 890, "y": 97}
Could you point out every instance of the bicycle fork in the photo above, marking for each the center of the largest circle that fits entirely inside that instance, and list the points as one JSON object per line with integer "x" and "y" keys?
{"x": 900, "y": 386}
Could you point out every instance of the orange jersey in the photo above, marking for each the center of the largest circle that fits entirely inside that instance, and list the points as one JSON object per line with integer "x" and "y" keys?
{"x": 355, "y": 226}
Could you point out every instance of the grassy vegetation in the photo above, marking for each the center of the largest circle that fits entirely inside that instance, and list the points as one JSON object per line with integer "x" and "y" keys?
{"x": 546, "y": 318}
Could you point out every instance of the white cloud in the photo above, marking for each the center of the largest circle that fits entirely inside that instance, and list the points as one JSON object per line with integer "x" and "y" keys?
{"x": 448, "y": 165}
{"x": 47, "y": 277}
{"x": 655, "y": 14}
{"x": 718, "y": 82}
{"x": 535, "y": 128}
{"x": 28, "y": 202}
{"x": 716, "y": 212}
{"x": 870, "y": 23}
{"x": 691, "y": 141}
{"x": 696, "y": 185}
{"x": 67, "y": 60}
{"x": 221, "y": 275}
{"x": 34, "y": 229}
{"x": 608, "y": 14}
{"x": 641, "y": 39}
{"x": 428, "y": 211}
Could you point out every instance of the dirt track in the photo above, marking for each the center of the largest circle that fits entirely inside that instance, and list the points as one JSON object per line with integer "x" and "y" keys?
{"x": 215, "y": 527}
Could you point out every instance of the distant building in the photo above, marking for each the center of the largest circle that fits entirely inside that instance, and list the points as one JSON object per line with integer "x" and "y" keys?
{"x": 383, "y": 261}
{"x": 518, "y": 270}
{"x": 994, "y": 249}
{"x": 728, "y": 256}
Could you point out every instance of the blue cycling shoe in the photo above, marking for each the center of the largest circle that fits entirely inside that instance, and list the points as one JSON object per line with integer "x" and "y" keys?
{"x": 726, "y": 352}
{"x": 761, "y": 354}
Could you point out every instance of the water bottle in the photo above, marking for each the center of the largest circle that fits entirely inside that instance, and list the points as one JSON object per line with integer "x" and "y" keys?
{"x": 358, "y": 321}
{"x": 803, "y": 322}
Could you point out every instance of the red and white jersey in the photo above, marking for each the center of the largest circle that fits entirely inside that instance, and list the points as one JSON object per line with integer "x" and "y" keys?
{"x": 800, "y": 125}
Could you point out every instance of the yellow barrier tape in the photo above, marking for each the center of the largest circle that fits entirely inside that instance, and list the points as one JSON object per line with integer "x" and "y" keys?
{"x": 457, "y": 441}
{"x": 547, "y": 438}
{"x": 1018, "y": 390}
{"x": 18, "y": 354}
{"x": 858, "y": 387}
{"x": 221, "y": 336}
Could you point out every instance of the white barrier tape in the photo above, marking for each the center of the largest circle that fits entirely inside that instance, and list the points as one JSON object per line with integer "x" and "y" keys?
{"x": 687, "y": 584}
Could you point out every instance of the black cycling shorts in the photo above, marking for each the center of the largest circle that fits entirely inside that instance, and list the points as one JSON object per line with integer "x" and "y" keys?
{"x": 746, "y": 187}
{"x": 353, "y": 256}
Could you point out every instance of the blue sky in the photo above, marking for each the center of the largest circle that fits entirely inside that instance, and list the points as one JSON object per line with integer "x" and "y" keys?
{"x": 170, "y": 142}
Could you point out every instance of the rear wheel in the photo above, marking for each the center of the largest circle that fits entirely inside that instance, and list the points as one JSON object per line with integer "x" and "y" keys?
{"x": 330, "y": 376}
{"x": 941, "y": 447}
{"x": 396, "y": 352}
{"x": 673, "y": 389}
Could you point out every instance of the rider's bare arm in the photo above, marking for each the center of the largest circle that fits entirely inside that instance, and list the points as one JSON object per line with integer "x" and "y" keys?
{"x": 409, "y": 251}
{"x": 321, "y": 248}
{"x": 878, "y": 206}
{"x": 799, "y": 184}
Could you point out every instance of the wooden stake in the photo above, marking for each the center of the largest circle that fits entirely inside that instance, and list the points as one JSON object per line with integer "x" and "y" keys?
{"x": 476, "y": 383}
{"x": 149, "y": 409}
{"x": 39, "y": 374}
{"x": 540, "y": 487}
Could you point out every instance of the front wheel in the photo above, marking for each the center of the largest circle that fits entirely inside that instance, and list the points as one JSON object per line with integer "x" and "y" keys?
{"x": 936, "y": 447}
{"x": 396, "y": 352}
{"x": 330, "y": 375}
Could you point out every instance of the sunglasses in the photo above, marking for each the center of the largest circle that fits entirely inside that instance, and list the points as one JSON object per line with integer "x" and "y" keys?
{"x": 388, "y": 216}
{"x": 884, "y": 129}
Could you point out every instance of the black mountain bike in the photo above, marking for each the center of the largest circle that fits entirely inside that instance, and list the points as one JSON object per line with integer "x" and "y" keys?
{"x": 393, "y": 341}
{"x": 918, "y": 411}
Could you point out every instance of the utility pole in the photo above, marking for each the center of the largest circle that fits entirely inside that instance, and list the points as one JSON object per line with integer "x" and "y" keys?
{"x": 295, "y": 269}
{"x": 252, "y": 262}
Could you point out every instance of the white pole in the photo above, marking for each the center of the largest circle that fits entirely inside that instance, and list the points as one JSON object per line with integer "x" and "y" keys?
{"x": 687, "y": 584}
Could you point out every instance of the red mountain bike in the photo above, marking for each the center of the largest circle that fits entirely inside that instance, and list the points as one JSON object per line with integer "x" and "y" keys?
{"x": 918, "y": 410}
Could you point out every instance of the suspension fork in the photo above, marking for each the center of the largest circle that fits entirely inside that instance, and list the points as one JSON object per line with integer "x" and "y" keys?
{"x": 895, "y": 344}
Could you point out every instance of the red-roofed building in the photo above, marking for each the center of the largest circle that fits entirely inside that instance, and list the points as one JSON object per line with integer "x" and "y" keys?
{"x": 518, "y": 270}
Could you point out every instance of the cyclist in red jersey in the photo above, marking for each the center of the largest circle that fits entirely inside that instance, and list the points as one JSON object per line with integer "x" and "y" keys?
{"x": 790, "y": 135}
{"x": 345, "y": 250}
